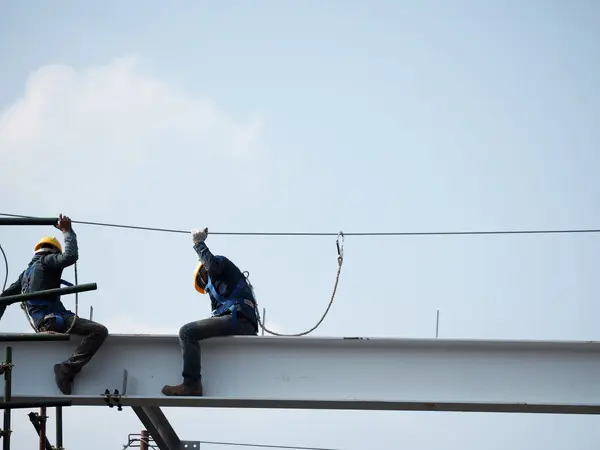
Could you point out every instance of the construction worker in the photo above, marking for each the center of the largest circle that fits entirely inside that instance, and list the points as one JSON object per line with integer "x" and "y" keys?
{"x": 233, "y": 312}
{"x": 48, "y": 314}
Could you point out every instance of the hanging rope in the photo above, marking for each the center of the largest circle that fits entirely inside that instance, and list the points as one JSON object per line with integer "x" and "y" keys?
{"x": 30, "y": 320}
{"x": 340, "y": 260}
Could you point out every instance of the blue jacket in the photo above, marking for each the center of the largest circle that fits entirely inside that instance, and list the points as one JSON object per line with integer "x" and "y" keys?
{"x": 227, "y": 279}
{"x": 46, "y": 274}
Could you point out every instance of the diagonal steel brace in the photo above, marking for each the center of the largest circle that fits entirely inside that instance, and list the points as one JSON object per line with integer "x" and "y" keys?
{"x": 158, "y": 426}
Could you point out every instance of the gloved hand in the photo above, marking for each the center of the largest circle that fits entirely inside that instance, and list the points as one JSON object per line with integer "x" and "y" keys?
{"x": 199, "y": 235}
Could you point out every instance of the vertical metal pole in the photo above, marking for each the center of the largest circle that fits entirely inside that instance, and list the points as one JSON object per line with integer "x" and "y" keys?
{"x": 7, "y": 397}
{"x": 437, "y": 324}
{"x": 91, "y": 312}
{"x": 59, "y": 428}
{"x": 42, "y": 428}
{"x": 144, "y": 440}
{"x": 264, "y": 316}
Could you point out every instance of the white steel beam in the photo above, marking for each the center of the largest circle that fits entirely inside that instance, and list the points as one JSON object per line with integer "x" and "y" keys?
{"x": 329, "y": 373}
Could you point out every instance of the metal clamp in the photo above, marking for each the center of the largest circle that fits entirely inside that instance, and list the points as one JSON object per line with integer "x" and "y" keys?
{"x": 5, "y": 366}
{"x": 113, "y": 399}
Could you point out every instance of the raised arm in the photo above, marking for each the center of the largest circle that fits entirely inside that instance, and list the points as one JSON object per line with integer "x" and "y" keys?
{"x": 70, "y": 255}
{"x": 214, "y": 264}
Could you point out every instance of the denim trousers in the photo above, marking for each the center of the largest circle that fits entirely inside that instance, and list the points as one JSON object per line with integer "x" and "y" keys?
{"x": 192, "y": 333}
{"x": 94, "y": 334}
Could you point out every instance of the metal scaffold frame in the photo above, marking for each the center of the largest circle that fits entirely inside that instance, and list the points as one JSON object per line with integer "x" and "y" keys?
{"x": 38, "y": 420}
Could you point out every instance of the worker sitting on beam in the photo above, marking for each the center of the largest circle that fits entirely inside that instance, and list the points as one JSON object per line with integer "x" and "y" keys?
{"x": 48, "y": 314}
{"x": 233, "y": 312}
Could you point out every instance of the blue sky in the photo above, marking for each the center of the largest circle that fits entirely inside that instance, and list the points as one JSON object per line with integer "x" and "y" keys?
{"x": 316, "y": 116}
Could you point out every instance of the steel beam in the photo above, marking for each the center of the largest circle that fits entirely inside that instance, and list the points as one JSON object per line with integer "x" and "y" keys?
{"x": 327, "y": 373}
{"x": 158, "y": 426}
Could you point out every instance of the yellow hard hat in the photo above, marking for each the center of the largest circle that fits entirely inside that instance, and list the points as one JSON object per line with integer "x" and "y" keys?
{"x": 196, "y": 274}
{"x": 48, "y": 240}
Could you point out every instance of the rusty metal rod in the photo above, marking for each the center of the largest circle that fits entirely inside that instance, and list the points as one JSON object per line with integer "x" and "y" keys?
{"x": 144, "y": 440}
{"x": 42, "y": 433}
{"x": 35, "y": 421}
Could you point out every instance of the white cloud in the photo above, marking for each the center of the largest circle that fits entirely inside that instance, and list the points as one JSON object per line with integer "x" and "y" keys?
{"x": 91, "y": 132}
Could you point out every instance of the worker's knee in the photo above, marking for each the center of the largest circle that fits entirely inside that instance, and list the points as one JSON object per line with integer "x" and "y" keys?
{"x": 186, "y": 330}
{"x": 194, "y": 331}
{"x": 102, "y": 331}
{"x": 99, "y": 331}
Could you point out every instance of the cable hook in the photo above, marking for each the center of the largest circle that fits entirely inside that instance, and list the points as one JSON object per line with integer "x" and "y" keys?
{"x": 339, "y": 242}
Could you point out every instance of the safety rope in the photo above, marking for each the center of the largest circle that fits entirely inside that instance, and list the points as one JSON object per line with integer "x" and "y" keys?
{"x": 340, "y": 260}
{"x": 30, "y": 320}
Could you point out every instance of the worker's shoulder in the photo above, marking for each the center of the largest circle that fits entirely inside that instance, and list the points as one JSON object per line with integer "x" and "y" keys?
{"x": 226, "y": 262}
{"x": 46, "y": 261}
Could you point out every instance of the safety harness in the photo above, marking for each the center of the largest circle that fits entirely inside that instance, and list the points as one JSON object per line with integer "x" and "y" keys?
{"x": 44, "y": 308}
{"x": 241, "y": 299}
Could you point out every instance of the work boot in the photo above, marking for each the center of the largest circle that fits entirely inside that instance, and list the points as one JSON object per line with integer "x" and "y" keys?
{"x": 64, "y": 381}
{"x": 184, "y": 389}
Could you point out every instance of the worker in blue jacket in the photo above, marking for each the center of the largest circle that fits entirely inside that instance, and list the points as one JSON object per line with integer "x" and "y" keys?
{"x": 233, "y": 312}
{"x": 48, "y": 314}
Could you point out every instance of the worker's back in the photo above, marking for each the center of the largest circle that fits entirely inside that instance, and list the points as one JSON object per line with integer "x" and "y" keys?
{"x": 226, "y": 279}
{"x": 40, "y": 276}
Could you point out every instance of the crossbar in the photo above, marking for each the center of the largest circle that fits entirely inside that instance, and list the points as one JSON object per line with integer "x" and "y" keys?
{"x": 10, "y": 299}
{"x": 28, "y": 221}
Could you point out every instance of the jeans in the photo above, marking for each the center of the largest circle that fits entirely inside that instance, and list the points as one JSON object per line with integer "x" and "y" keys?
{"x": 94, "y": 336}
{"x": 192, "y": 333}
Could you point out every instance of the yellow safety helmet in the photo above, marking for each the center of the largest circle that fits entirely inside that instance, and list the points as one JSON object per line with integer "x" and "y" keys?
{"x": 196, "y": 275}
{"x": 48, "y": 240}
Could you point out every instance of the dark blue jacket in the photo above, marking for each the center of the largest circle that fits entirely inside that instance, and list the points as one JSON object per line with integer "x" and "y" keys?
{"x": 224, "y": 275}
{"x": 47, "y": 274}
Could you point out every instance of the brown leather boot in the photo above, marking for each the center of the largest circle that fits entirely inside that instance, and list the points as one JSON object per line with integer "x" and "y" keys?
{"x": 183, "y": 389}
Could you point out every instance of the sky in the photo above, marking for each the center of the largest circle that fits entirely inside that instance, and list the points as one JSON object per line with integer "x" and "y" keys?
{"x": 319, "y": 116}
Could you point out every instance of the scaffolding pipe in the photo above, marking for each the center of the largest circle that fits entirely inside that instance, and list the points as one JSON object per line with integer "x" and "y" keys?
{"x": 42, "y": 433}
{"x": 10, "y": 299}
{"x": 7, "y": 395}
{"x": 34, "y": 404}
{"x": 28, "y": 221}
{"x": 59, "y": 428}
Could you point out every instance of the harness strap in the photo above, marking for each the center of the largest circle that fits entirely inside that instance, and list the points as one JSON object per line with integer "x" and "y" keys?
{"x": 236, "y": 298}
{"x": 40, "y": 316}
